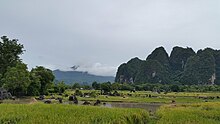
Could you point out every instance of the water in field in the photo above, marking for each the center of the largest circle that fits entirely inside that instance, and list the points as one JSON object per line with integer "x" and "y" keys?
{"x": 147, "y": 106}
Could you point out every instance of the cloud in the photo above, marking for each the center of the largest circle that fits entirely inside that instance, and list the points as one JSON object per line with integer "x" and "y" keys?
{"x": 91, "y": 68}
{"x": 98, "y": 69}
{"x": 109, "y": 32}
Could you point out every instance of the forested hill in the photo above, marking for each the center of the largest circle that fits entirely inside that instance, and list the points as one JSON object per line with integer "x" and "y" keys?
{"x": 80, "y": 77}
{"x": 183, "y": 66}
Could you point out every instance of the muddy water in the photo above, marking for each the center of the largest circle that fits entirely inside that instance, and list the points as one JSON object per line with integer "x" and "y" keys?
{"x": 147, "y": 106}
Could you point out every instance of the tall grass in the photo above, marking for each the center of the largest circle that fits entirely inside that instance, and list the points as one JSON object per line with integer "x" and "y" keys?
{"x": 200, "y": 113}
{"x": 69, "y": 114}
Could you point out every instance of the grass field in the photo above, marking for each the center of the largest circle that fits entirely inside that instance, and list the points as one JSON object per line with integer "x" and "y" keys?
{"x": 200, "y": 113}
{"x": 188, "y": 108}
{"x": 142, "y": 97}
{"x": 69, "y": 114}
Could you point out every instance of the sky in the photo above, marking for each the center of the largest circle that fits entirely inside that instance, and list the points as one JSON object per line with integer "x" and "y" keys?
{"x": 99, "y": 35}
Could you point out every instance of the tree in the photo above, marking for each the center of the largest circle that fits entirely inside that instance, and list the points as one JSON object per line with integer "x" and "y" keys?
{"x": 106, "y": 87}
{"x": 87, "y": 87}
{"x": 126, "y": 87}
{"x": 60, "y": 87}
{"x": 46, "y": 78}
{"x": 34, "y": 87}
{"x": 16, "y": 79}
{"x": 96, "y": 85}
{"x": 9, "y": 54}
{"x": 76, "y": 85}
{"x": 175, "y": 88}
{"x": 116, "y": 86}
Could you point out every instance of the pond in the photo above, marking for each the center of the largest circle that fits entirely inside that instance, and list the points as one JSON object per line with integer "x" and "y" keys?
{"x": 147, "y": 106}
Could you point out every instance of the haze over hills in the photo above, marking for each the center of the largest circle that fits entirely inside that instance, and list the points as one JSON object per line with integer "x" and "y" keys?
{"x": 80, "y": 77}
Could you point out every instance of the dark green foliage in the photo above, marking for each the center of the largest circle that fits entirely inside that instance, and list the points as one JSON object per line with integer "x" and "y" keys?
{"x": 217, "y": 66}
{"x": 160, "y": 55}
{"x": 132, "y": 68}
{"x": 34, "y": 87}
{"x": 93, "y": 94}
{"x": 126, "y": 87}
{"x": 116, "y": 86}
{"x": 14, "y": 75}
{"x": 87, "y": 87}
{"x": 106, "y": 87}
{"x": 153, "y": 72}
{"x": 96, "y": 85}
{"x": 175, "y": 88}
{"x": 32, "y": 90}
{"x": 76, "y": 85}
{"x": 78, "y": 93}
{"x": 60, "y": 87}
{"x": 183, "y": 66}
{"x": 199, "y": 69}
{"x": 16, "y": 79}
{"x": 127, "y": 72}
{"x": 179, "y": 57}
{"x": 9, "y": 54}
{"x": 46, "y": 77}
{"x": 121, "y": 73}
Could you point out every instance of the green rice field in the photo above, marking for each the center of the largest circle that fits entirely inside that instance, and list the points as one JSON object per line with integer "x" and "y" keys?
{"x": 200, "y": 113}
{"x": 69, "y": 114}
{"x": 188, "y": 108}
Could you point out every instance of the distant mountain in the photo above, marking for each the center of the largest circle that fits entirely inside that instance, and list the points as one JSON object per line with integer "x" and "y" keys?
{"x": 80, "y": 77}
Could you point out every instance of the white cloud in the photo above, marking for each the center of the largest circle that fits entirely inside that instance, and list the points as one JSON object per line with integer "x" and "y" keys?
{"x": 98, "y": 69}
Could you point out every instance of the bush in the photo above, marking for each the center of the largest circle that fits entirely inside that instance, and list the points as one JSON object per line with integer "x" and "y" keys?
{"x": 78, "y": 93}
{"x": 93, "y": 94}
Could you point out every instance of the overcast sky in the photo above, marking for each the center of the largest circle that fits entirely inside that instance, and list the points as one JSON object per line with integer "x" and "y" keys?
{"x": 99, "y": 35}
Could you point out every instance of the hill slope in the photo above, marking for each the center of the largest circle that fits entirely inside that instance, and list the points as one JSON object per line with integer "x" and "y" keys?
{"x": 184, "y": 66}
{"x": 80, "y": 77}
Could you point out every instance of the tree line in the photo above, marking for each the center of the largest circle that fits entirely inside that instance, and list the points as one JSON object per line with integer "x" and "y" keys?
{"x": 107, "y": 87}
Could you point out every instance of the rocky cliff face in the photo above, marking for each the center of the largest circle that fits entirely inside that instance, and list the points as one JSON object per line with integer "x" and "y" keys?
{"x": 182, "y": 66}
{"x": 127, "y": 72}
{"x": 160, "y": 55}
{"x": 199, "y": 68}
{"x": 179, "y": 57}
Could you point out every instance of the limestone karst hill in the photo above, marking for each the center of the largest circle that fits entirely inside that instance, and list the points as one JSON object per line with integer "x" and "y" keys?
{"x": 184, "y": 66}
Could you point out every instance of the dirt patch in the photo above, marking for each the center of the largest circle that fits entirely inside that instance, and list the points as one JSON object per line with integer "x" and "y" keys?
{"x": 32, "y": 101}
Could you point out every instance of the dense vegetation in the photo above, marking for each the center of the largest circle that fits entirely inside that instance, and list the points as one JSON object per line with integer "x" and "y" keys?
{"x": 183, "y": 66}
{"x": 156, "y": 87}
